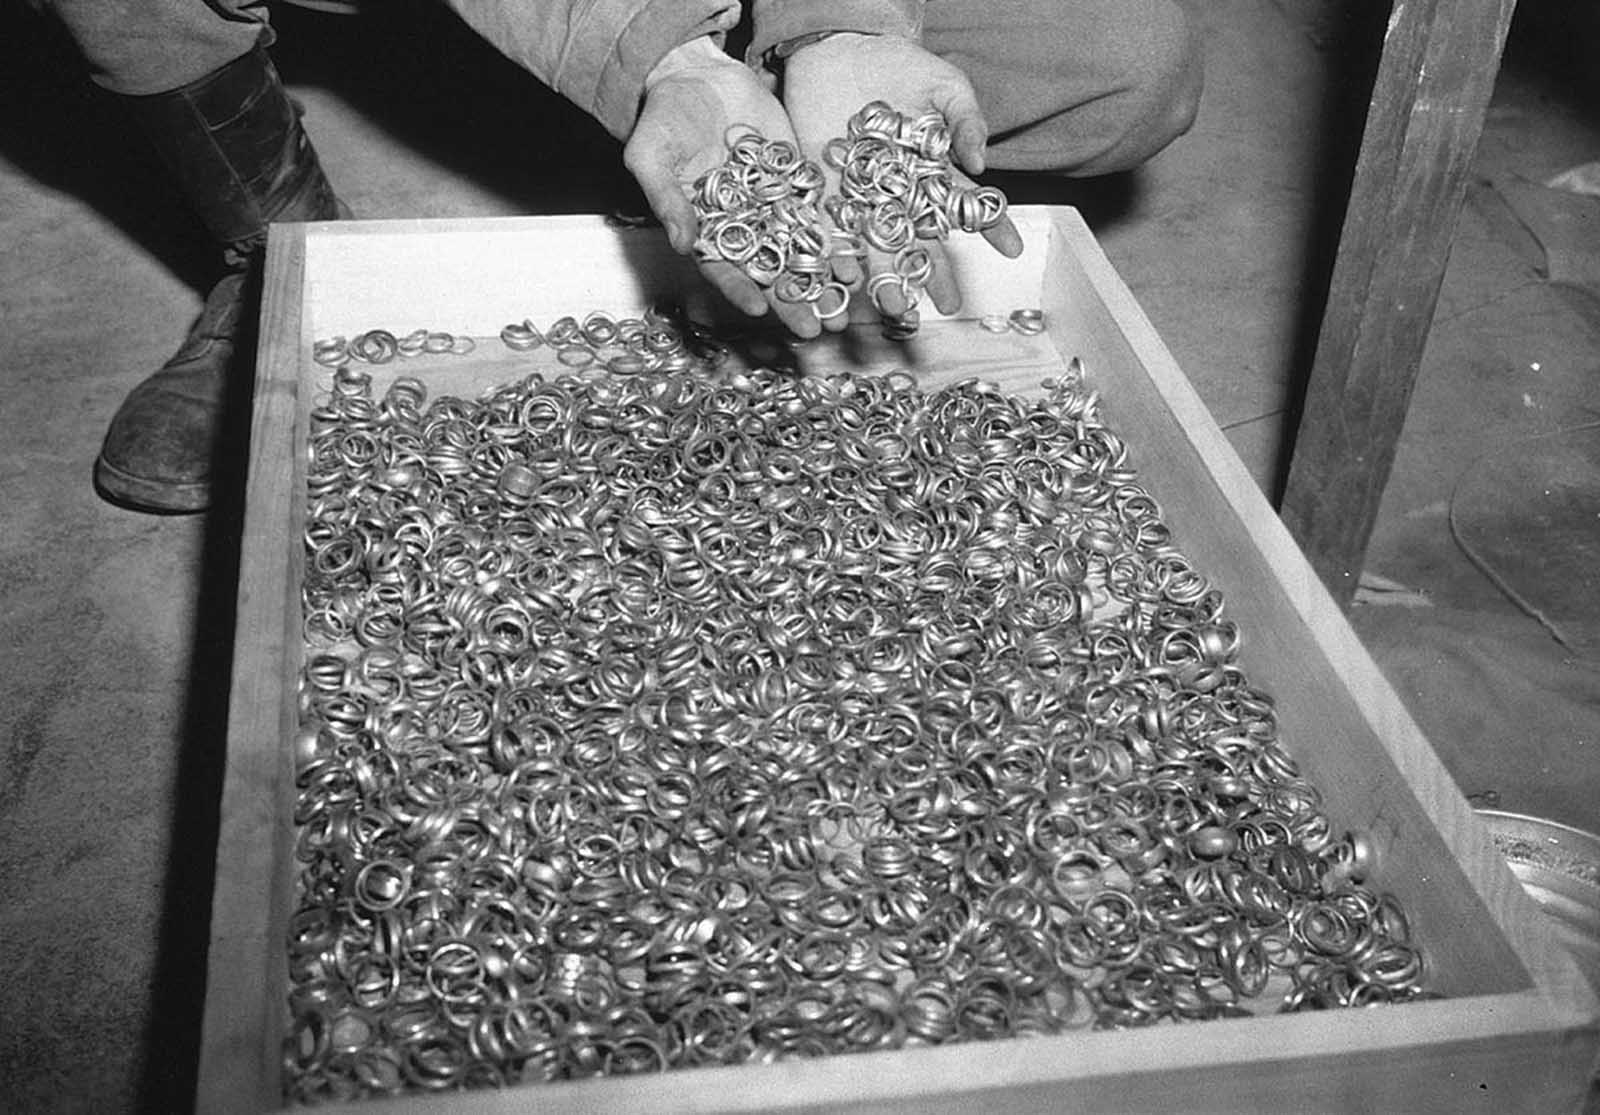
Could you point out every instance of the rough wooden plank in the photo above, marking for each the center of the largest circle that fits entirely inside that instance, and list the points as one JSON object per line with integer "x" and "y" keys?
{"x": 1432, "y": 89}
{"x": 1149, "y": 1072}
{"x": 239, "y": 1058}
{"x": 479, "y": 277}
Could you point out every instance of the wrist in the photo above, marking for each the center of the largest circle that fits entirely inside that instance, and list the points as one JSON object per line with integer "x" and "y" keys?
{"x": 695, "y": 54}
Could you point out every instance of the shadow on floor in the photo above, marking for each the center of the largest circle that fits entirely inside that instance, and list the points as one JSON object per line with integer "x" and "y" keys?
{"x": 172, "y": 1042}
{"x": 70, "y": 136}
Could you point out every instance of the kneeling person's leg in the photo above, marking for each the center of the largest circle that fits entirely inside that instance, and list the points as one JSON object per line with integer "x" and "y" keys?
{"x": 1080, "y": 87}
{"x": 139, "y": 47}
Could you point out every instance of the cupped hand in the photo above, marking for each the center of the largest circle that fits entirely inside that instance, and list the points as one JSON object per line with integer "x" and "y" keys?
{"x": 828, "y": 81}
{"x": 693, "y": 98}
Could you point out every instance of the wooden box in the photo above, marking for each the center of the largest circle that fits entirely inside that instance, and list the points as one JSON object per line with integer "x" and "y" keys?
{"x": 1518, "y": 1028}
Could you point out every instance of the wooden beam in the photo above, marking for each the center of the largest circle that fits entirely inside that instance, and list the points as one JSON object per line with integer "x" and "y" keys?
{"x": 1435, "y": 77}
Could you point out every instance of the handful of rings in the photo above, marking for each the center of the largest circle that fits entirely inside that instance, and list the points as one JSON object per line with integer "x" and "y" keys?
{"x": 762, "y": 209}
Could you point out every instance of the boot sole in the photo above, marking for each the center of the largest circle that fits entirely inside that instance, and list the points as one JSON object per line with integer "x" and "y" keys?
{"x": 141, "y": 494}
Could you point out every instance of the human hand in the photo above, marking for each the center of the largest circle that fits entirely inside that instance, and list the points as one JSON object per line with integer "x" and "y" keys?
{"x": 693, "y": 98}
{"x": 827, "y": 82}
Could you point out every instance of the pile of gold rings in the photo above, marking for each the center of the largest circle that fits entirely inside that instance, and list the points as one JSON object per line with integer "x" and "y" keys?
{"x": 662, "y": 340}
{"x": 759, "y": 210}
{"x": 380, "y": 346}
{"x": 762, "y": 209}
{"x": 896, "y": 188}
{"x": 689, "y": 717}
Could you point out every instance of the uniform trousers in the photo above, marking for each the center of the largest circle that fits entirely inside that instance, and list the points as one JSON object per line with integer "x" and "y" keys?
{"x": 1077, "y": 87}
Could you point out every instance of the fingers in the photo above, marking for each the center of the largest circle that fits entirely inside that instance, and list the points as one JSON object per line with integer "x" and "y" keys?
{"x": 1004, "y": 238}
{"x": 737, "y": 287}
{"x": 665, "y": 196}
{"x": 888, "y": 298}
{"x": 969, "y": 134}
{"x": 797, "y": 317}
{"x": 837, "y": 323}
{"x": 942, "y": 287}
{"x": 756, "y": 301}
{"x": 846, "y": 268}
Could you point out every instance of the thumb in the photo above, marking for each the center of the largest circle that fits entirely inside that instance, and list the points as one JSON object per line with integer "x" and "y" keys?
{"x": 664, "y": 194}
{"x": 676, "y": 214}
{"x": 969, "y": 134}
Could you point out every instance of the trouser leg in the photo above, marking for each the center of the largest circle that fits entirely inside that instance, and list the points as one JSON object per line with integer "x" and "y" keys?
{"x": 1079, "y": 87}
{"x": 139, "y": 47}
{"x": 233, "y": 142}
{"x": 195, "y": 76}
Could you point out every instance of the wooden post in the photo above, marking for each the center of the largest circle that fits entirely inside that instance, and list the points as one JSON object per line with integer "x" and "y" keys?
{"x": 1435, "y": 76}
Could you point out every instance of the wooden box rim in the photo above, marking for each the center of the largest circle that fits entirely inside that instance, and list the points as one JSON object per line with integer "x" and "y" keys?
{"x": 1258, "y": 1063}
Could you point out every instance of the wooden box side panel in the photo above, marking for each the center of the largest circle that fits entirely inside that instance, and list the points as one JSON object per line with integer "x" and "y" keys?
{"x": 240, "y": 1061}
{"x": 474, "y": 277}
{"x": 1290, "y": 1064}
{"x": 1341, "y": 719}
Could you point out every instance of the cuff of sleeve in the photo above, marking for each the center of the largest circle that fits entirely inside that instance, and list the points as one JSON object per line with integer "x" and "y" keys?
{"x": 778, "y": 23}
{"x": 612, "y": 91}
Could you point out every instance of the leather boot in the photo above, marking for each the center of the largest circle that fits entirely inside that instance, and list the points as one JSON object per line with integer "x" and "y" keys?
{"x": 234, "y": 142}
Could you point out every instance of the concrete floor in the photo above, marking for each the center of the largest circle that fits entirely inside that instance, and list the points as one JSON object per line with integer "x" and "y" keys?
{"x": 117, "y": 626}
